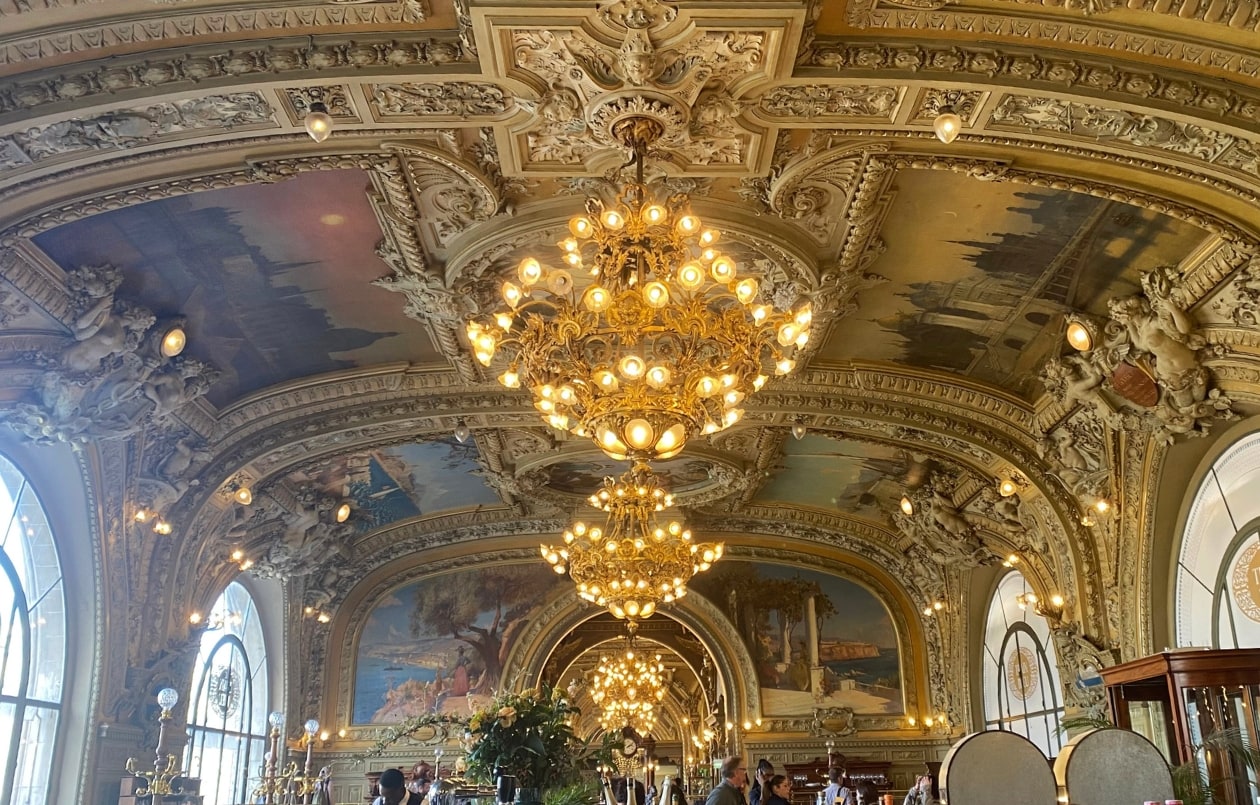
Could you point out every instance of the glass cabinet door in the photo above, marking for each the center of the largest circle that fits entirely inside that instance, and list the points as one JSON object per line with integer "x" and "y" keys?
{"x": 1221, "y": 724}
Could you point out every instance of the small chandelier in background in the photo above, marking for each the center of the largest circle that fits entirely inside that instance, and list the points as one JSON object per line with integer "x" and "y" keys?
{"x": 632, "y": 564}
{"x": 627, "y": 688}
{"x": 665, "y": 341}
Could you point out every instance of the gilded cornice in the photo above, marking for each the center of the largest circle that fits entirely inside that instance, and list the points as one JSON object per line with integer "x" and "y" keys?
{"x": 218, "y": 64}
{"x": 1094, "y": 34}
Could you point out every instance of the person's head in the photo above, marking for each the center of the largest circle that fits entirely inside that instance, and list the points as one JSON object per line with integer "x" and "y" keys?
{"x": 835, "y": 774}
{"x": 867, "y": 793}
{"x": 393, "y": 786}
{"x": 765, "y": 768}
{"x": 734, "y": 771}
{"x": 780, "y": 786}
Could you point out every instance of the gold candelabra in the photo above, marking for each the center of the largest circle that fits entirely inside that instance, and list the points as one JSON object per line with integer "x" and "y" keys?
{"x": 158, "y": 781}
{"x": 287, "y": 784}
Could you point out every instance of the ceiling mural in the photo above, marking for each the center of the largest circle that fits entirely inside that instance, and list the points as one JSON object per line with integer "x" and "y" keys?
{"x": 854, "y": 638}
{"x": 861, "y": 478}
{"x": 397, "y": 483}
{"x": 979, "y": 274}
{"x": 436, "y": 645}
{"x": 584, "y": 476}
{"x": 274, "y": 279}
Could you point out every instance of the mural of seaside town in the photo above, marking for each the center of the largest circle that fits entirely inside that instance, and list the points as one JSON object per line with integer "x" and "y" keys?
{"x": 856, "y": 640}
{"x": 438, "y": 645}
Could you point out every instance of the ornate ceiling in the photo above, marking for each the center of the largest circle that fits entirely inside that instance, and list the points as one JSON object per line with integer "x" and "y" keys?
{"x": 155, "y": 169}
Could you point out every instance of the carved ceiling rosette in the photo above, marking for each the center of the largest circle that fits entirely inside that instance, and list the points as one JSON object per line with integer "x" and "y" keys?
{"x": 685, "y": 71}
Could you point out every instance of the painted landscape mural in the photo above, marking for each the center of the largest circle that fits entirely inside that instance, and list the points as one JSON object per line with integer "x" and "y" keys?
{"x": 861, "y": 478}
{"x": 438, "y": 645}
{"x": 275, "y": 279}
{"x": 859, "y": 660}
{"x": 978, "y": 275}
{"x": 396, "y": 483}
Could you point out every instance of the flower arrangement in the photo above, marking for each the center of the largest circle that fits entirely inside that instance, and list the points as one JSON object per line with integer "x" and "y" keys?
{"x": 527, "y": 735}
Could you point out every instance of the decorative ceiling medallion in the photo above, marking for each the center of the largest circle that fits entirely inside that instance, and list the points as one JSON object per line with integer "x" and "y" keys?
{"x": 1244, "y": 582}
{"x": 644, "y": 58}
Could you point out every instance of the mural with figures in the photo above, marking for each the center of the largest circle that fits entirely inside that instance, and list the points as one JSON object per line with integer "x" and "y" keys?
{"x": 389, "y": 484}
{"x": 858, "y": 653}
{"x": 860, "y": 478}
{"x": 274, "y": 279}
{"x": 976, "y": 276}
{"x": 438, "y": 645}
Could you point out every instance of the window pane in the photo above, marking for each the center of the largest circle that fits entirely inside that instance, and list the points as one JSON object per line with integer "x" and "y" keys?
{"x": 39, "y": 728}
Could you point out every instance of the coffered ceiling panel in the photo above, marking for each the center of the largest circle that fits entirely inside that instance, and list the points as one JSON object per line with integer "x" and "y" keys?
{"x": 276, "y": 280}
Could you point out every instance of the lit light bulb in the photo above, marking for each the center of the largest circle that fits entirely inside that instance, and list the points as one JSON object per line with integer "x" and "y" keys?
{"x": 173, "y": 342}
{"x": 318, "y": 122}
{"x": 244, "y": 496}
{"x": 1006, "y": 488}
{"x": 343, "y": 512}
{"x": 907, "y": 508}
{"x": 799, "y": 431}
{"x": 1079, "y": 337}
{"x": 947, "y": 125}
{"x": 462, "y": 431}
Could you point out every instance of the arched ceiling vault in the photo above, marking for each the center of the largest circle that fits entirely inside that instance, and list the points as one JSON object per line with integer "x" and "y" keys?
{"x": 154, "y": 157}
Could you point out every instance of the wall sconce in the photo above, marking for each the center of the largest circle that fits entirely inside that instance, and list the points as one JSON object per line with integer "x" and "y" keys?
{"x": 462, "y": 431}
{"x": 1011, "y": 560}
{"x": 929, "y": 724}
{"x": 243, "y": 495}
{"x": 907, "y": 507}
{"x": 343, "y": 511}
{"x": 933, "y": 608}
{"x": 1051, "y": 609}
{"x": 173, "y": 341}
{"x": 1080, "y": 336}
{"x": 1007, "y": 487}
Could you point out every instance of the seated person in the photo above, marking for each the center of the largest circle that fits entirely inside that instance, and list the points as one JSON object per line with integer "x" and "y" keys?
{"x": 421, "y": 777}
{"x": 393, "y": 788}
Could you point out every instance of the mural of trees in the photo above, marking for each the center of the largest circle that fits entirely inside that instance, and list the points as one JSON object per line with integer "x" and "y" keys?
{"x": 502, "y": 596}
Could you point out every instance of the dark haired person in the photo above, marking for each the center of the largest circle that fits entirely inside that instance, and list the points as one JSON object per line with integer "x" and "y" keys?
{"x": 778, "y": 790}
{"x": 765, "y": 770}
{"x": 393, "y": 788}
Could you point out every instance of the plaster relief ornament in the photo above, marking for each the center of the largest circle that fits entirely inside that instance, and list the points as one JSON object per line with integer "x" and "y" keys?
{"x": 641, "y": 58}
{"x": 1241, "y": 300}
{"x": 293, "y": 536}
{"x": 122, "y": 128}
{"x": 1149, "y": 364}
{"x": 111, "y": 379}
{"x": 1080, "y": 654}
{"x": 939, "y": 529}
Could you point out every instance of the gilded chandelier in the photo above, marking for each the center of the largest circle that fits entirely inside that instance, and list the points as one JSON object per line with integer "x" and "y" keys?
{"x": 626, "y": 689}
{"x": 631, "y": 564}
{"x": 665, "y": 341}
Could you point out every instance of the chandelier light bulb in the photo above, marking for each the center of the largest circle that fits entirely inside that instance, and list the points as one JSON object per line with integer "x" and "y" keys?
{"x": 318, "y": 122}
{"x": 947, "y": 125}
{"x": 529, "y": 271}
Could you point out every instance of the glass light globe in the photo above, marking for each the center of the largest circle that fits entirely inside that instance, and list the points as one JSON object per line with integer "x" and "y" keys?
{"x": 276, "y": 719}
{"x": 311, "y": 726}
{"x": 947, "y": 125}
{"x": 318, "y": 122}
{"x": 167, "y": 697}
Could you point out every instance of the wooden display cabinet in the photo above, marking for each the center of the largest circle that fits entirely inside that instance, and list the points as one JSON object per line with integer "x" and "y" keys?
{"x": 1176, "y": 698}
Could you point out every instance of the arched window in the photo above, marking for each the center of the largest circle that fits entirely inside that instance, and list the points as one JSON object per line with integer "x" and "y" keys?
{"x": 227, "y": 721}
{"x": 1218, "y": 568}
{"x": 32, "y": 641}
{"x": 1021, "y": 673}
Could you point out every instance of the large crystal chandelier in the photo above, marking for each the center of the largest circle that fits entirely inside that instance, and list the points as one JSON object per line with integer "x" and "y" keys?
{"x": 632, "y": 563}
{"x": 627, "y": 688}
{"x": 664, "y": 341}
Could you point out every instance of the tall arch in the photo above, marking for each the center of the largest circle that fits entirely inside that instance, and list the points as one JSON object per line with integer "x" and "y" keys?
{"x": 231, "y": 699}
{"x": 1020, "y": 669}
{"x": 1217, "y": 571}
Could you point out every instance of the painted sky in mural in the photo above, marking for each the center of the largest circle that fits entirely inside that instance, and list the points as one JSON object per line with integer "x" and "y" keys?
{"x": 389, "y": 484}
{"x": 857, "y": 642}
{"x": 275, "y": 279}
{"x": 979, "y": 274}
{"x": 861, "y": 478}
{"x": 438, "y": 644}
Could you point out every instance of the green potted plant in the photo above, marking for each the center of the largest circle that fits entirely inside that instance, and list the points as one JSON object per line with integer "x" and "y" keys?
{"x": 528, "y": 738}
